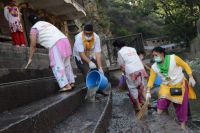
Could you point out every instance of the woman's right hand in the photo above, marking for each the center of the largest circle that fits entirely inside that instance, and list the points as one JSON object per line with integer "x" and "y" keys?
{"x": 192, "y": 82}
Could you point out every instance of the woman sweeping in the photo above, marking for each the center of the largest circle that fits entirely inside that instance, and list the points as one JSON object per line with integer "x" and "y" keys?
{"x": 133, "y": 68}
{"x": 174, "y": 87}
{"x": 59, "y": 47}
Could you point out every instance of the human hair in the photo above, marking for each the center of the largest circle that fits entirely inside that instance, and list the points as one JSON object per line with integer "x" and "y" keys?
{"x": 88, "y": 26}
{"x": 33, "y": 19}
{"x": 159, "y": 50}
{"x": 118, "y": 44}
{"x": 141, "y": 52}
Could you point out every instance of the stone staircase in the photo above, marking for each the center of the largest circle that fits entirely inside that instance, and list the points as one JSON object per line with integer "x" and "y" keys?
{"x": 30, "y": 100}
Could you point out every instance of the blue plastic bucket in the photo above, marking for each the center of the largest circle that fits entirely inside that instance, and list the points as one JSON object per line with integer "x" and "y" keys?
{"x": 158, "y": 81}
{"x": 96, "y": 79}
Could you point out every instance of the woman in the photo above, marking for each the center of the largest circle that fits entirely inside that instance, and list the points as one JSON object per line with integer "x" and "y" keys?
{"x": 59, "y": 47}
{"x": 12, "y": 15}
{"x": 141, "y": 54}
{"x": 174, "y": 87}
{"x": 134, "y": 70}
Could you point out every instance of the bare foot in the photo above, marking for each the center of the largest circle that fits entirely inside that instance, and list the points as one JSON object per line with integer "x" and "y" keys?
{"x": 182, "y": 125}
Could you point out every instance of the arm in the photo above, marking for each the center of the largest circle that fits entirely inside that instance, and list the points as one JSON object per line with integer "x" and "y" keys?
{"x": 121, "y": 62}
{"x": 146, "y": 66}
{"x": 33, "y": 40}
{"x": 6, "y": 13}
{"x": 84, "y": 57}
{"x": 97, "y": 50}
{"x": 187, "y": 68}
{"x": 98, "y": 58}
{"x": 151, "y": 80}
{"x": 184, "y": 65}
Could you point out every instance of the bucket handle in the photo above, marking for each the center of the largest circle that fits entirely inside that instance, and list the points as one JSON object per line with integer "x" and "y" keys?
{"x": 92, "y": 70}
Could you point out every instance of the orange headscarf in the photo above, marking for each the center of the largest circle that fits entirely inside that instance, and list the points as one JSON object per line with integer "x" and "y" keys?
{"x": 87, "y": 44}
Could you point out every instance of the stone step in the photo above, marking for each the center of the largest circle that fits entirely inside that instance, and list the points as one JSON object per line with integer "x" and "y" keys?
{"x": 12, "y": 57}
{"x": 20, "y": 93}
{"x": 90, "y": 117}
{"x": 4, "y": 38}
{"x": 17, "y": 57}
{"x": 11, "y": 75}
{"x": 40, "y": 116}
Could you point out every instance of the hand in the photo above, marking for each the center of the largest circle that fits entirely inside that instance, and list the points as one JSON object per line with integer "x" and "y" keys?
{"x": 192, "y": 82}
{"x": 101, "y": 70}
{"x": 92, "y": 65}
{"x": 29, "y": 62}
{"x": 148, "y": 95}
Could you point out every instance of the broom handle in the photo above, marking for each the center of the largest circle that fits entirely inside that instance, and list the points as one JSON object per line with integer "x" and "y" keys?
{"x": 29, "y": 62}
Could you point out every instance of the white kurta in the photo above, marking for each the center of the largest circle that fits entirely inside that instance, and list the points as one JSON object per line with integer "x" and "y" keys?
{"x": 128, "y": 57}
{"x": 48, "y": 34}
{"x": 79, "y": 46}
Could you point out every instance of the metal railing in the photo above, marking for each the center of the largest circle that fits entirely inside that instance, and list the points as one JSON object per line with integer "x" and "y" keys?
{"x": 135, "y": 40}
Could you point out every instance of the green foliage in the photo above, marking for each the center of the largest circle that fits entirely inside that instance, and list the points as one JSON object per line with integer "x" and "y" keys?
{"x": 127, "y": 17}
{"x": 175, "y": 18}
{"x": 180, "y": 18}
{"x": 121, "y": 31}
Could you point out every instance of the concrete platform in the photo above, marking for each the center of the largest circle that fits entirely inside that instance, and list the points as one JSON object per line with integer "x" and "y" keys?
{"x": 40, "y": 116}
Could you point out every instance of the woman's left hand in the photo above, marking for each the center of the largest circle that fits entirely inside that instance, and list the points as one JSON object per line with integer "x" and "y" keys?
{"x": 101, "y": 70}
{"x": 192, "y": 82}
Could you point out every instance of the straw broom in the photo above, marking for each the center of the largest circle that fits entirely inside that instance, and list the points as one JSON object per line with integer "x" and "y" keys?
{"x": 141, "y": 113}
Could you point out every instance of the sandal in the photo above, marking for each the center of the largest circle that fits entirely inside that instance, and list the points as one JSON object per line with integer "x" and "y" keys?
{"x": 72, "y": 85}
{"x": 65, "y": 89}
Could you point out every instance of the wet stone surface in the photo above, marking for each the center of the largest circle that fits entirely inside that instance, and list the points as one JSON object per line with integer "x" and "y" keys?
{"x": 123, "y": 120}
{"x": 84, "y": 119}
{"x": 122, "y": 113}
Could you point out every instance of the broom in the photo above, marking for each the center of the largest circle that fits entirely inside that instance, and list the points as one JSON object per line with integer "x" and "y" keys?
{"x": 144, "y": 108}
{"x": 29, "y": 62}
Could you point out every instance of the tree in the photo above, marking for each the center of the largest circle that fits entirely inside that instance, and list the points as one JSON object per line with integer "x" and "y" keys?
{"x": 180, "y": 17}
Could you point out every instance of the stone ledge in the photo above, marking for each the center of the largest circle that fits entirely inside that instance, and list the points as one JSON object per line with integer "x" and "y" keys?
{"x": 11, "y": 75}
{"x": 20, "y": 93}
{"x": 42, "y": 115}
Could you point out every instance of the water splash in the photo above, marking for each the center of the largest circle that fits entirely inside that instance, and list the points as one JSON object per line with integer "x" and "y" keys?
{"x": 91, "y": 93}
